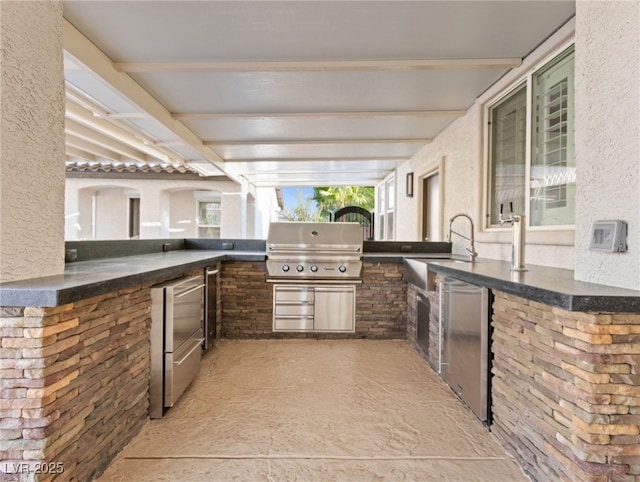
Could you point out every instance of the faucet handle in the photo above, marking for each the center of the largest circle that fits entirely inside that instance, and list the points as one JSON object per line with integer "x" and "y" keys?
{"x": 500, "y": 218}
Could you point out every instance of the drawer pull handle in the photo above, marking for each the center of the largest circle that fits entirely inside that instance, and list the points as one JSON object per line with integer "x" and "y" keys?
{"x": 199, "y": 345}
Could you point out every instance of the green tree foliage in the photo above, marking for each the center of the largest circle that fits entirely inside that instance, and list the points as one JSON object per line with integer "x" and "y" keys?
{"x": 303, "y": 211}
{"x": 330, "y": 199}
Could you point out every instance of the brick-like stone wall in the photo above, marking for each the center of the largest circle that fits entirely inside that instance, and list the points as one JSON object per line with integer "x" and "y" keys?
{"x": 247, "y": 300}
{"x": 247, "y": 303}
{"x": 74, "y": 383}
{"x": 566, "y": 390}
{"x": 381, "y": 301}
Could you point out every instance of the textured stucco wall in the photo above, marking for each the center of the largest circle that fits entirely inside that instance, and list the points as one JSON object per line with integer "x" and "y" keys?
{"x": 608, "y": 136}
{"x": 459, "y": 146}
{"x": 31, "y": 140}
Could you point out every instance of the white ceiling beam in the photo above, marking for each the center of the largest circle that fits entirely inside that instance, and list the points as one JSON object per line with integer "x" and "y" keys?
{"x": 127, "y": 115}
{"x": 316, "y": 159}
{"x": 318, "y": 183}
{"x": 283, "y": 174}
{"x": 319, "y": 66}
{"x": 83, "y": 116}
{"x": 82, "y": 50}
{"x": 79, "y": 154}
{"x": 83, "y": 132}
{"x": 317, "y": 115}
{"x": 311, "y": 142}
{"x": 91, "y": 148}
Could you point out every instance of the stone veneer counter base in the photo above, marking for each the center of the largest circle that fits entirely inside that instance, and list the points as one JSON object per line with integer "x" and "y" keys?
{"x": 565, "y": 385}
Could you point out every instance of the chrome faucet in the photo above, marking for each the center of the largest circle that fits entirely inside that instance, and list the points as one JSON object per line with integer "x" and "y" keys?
{"x": 472, "y": 250}
{"x": 517, "y": 238}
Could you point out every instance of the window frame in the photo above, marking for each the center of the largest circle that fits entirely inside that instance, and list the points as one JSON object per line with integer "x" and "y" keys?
{"x": 207, "y": 197}
{"x": 386, "y": 202}
{"x": 522, "y": 79}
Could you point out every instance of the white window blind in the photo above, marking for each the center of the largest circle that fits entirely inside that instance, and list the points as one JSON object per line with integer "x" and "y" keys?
{"x": 508, "y": 153}
{"x": 532, "y": 141}
{"x": 553, "y": 174}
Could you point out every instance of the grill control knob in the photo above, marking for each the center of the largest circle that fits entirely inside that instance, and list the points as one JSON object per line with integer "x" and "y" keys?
{"x": 285, "y": 267}
{"x": 299, "y": 268}
{"x": 313, "y": 268}
{"x": 342, "y": 268}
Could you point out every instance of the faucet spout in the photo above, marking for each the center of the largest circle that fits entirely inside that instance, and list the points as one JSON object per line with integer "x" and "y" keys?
{"x": 517, "y": 238}
{"x": 471, "y": 249}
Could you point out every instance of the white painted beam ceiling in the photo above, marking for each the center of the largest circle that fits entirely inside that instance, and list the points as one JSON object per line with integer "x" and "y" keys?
{"x": 285, "y": 93}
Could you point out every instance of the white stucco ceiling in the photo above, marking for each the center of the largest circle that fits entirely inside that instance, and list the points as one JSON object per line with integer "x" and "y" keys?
{"x": 292, "y": 92}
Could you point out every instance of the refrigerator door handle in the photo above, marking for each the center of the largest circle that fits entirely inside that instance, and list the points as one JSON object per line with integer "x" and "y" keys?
{"x": 184, "y": 293}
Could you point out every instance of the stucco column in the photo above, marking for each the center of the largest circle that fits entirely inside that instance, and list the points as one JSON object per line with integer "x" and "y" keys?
{"x": 607, "y": 136}
{"x": 233, "y": 215}
{"x": 31, "y": 140}
{"x": 154, "y": 213}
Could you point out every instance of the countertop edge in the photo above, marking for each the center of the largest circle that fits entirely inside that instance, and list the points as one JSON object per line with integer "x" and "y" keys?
{"x": 591, "y": 302}
{"x": 70, "y": 287}
{"x": 51, "y": 296}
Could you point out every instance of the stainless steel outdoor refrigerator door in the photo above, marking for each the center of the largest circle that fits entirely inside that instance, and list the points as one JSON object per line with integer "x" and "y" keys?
{"x": 465, "y": 343}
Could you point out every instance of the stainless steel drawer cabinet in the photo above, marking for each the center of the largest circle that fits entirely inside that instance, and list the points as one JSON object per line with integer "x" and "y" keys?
{"x": 176, "y": 340}
{"x": 293, "y": 308}
{"x": 320, "y": 308}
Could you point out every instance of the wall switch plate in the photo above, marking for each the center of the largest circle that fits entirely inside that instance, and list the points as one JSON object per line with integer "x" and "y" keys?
{"x": 609, "y": 236}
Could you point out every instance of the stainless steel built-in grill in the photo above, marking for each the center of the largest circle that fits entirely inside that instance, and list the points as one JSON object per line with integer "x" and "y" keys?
{"x": 314, "y": 251}
{"x": 314, "y": 268}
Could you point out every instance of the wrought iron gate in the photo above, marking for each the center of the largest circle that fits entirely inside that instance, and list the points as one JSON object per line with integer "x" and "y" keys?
{"x": 356, "y": 214}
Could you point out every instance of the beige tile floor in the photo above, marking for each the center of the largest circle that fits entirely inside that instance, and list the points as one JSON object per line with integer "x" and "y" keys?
{"x": 310, "y": 410}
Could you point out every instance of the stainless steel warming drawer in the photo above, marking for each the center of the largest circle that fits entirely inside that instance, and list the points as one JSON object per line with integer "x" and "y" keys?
{"x": 319, "y": 308}
{"x": 177, "y": 334}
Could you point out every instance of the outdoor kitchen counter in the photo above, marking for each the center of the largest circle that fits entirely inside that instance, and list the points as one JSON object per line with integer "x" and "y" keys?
{"x": 84, "y": 279}
{"x": 550, "y": 286}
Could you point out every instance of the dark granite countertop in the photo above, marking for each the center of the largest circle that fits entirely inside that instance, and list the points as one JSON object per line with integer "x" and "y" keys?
{"x": 84, "y": 279}
{"x": 550, "y": 286}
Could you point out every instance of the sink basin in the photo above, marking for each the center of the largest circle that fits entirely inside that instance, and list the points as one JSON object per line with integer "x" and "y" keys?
{"x": 417, "y": 272}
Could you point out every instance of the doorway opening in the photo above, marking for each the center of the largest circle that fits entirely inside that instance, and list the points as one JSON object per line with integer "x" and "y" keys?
{"x": 431, "y": 207}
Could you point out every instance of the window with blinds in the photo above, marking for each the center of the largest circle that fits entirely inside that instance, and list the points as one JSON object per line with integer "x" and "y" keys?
{"x": 545, "y": 159}
{"x": 508, "y": 151}
{"x": 209, "y": 219}
{"x": 553, "y": 175}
